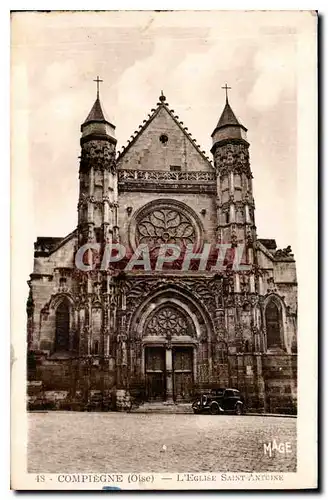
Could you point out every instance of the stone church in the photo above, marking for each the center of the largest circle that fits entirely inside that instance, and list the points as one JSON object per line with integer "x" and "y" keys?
{"x": 163, "y": 334}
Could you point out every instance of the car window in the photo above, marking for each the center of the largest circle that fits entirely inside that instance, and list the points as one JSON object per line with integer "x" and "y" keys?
{"x": 228, "y": 393}
{"x": 237, "y": 394}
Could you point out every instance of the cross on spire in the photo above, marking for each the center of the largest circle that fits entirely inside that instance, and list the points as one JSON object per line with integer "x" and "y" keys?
{"x": 226, "y": 88}
{"x": 97, "y": 80}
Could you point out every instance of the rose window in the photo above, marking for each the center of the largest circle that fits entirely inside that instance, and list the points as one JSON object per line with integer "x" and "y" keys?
{"x": 167, "y": 321}
{"x": 165, "y": 225}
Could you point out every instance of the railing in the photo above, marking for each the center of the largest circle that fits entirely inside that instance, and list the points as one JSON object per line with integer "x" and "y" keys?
{"x": 160, "y": 175}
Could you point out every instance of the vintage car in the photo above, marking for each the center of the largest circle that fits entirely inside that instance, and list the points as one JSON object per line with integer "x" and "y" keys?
{"x": 219, "y": 401}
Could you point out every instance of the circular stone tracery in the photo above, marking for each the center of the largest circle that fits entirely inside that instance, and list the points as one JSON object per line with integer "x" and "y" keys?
{"x": 166, "y": 222}
{"x": 165, "y": 225}
{"x": 168, "y": 321}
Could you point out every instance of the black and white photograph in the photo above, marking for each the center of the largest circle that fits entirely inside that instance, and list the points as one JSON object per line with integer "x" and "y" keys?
{"x": 161, "y": 299}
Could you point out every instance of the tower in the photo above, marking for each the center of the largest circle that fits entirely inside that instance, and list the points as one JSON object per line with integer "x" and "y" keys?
{"x": 97, "y": 223}
{"x": 97, "y": 206}
{"x": 235, "y": 202}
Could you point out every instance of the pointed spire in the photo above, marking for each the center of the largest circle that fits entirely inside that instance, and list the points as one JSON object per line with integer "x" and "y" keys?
{"x": 228, "y": 126}
{"x": 228, "y": 117}
{"x": 96, "y": 123}
{"x": 96, "y": 114}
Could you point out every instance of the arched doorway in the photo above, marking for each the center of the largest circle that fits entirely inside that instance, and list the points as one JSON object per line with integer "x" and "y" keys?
{"x": 169, "y": 336}
{"x": 62, "y": 326}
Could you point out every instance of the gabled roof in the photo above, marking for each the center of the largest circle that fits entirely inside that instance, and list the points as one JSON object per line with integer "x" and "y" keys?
{"x": 46, "y": 245}
{"x": 154, "y": 112}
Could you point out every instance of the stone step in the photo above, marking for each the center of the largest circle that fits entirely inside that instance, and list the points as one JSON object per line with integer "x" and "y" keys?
{"x": 163, "y": 408}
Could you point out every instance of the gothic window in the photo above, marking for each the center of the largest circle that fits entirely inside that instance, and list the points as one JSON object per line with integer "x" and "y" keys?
{"x": 165, "y": 225}
{"x": 163, "y": 138}
{"x": 227, "y": 217}
{"x": 62, "y": 327}
{"x": 168, "y": 320}
{"x": 273, "y": 325}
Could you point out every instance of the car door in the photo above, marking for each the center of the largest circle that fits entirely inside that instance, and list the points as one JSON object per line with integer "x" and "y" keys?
{"x": 228, "y": 400}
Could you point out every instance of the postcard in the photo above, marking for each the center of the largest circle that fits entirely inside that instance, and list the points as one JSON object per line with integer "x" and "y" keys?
{"x": 164, "y": 250}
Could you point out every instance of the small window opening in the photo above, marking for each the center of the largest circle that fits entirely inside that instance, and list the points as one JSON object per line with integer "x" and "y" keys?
{"x": 175, "y": 168}
{"x": 163, "y": 138}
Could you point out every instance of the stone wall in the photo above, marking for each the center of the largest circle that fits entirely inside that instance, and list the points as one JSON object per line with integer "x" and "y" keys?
{"x": 149, "y": 153}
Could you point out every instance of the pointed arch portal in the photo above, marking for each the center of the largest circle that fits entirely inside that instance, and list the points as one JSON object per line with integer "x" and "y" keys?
{"x": 170, "y": 325}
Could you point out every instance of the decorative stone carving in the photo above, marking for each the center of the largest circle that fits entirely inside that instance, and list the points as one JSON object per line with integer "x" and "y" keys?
{"x": 158, "y": 175}
{"x": 233, "y": 158}
{"x": 285, "y": 252}
{"x": 98, "y": 155}
{"x": 271, "y": 286}
{"x": 165, "y": 225}
{"x": 167, "y": 320}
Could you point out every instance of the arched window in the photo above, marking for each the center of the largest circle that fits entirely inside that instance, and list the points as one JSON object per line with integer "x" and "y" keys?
{"x": 62, "y": 327}
{"x": 273, "y": 325}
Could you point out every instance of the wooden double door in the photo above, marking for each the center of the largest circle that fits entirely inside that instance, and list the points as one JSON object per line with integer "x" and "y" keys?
{"x": 176, "y": 363}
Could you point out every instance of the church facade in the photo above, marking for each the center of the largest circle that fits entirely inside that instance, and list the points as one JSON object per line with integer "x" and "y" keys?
{"x": 188, "y": 323}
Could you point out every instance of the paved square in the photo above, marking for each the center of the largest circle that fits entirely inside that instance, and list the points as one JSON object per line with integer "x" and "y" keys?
{"x": 121, "y": 442}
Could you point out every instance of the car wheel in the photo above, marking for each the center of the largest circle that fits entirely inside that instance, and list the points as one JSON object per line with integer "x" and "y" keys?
{"x": 238, "y": 409}
{"x": 214, "y": 409}
{"x": 195, "y": 411}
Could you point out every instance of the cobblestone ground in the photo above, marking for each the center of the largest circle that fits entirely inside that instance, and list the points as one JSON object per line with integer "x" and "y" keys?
{"x": 118, "y": 442}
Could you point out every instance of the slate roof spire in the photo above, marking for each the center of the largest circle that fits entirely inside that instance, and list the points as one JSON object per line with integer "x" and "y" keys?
{"x": 96, "y": 114}
{"x": 96, "y": 123}
{"x": 228, "y": 126}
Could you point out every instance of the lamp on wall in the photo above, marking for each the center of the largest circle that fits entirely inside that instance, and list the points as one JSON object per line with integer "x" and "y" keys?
{"x": 129, "y": 210}
{"x": 203, "y": 212}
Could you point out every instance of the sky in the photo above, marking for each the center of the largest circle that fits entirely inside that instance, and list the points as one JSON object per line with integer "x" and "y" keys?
{"x": 190, "y": 56}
